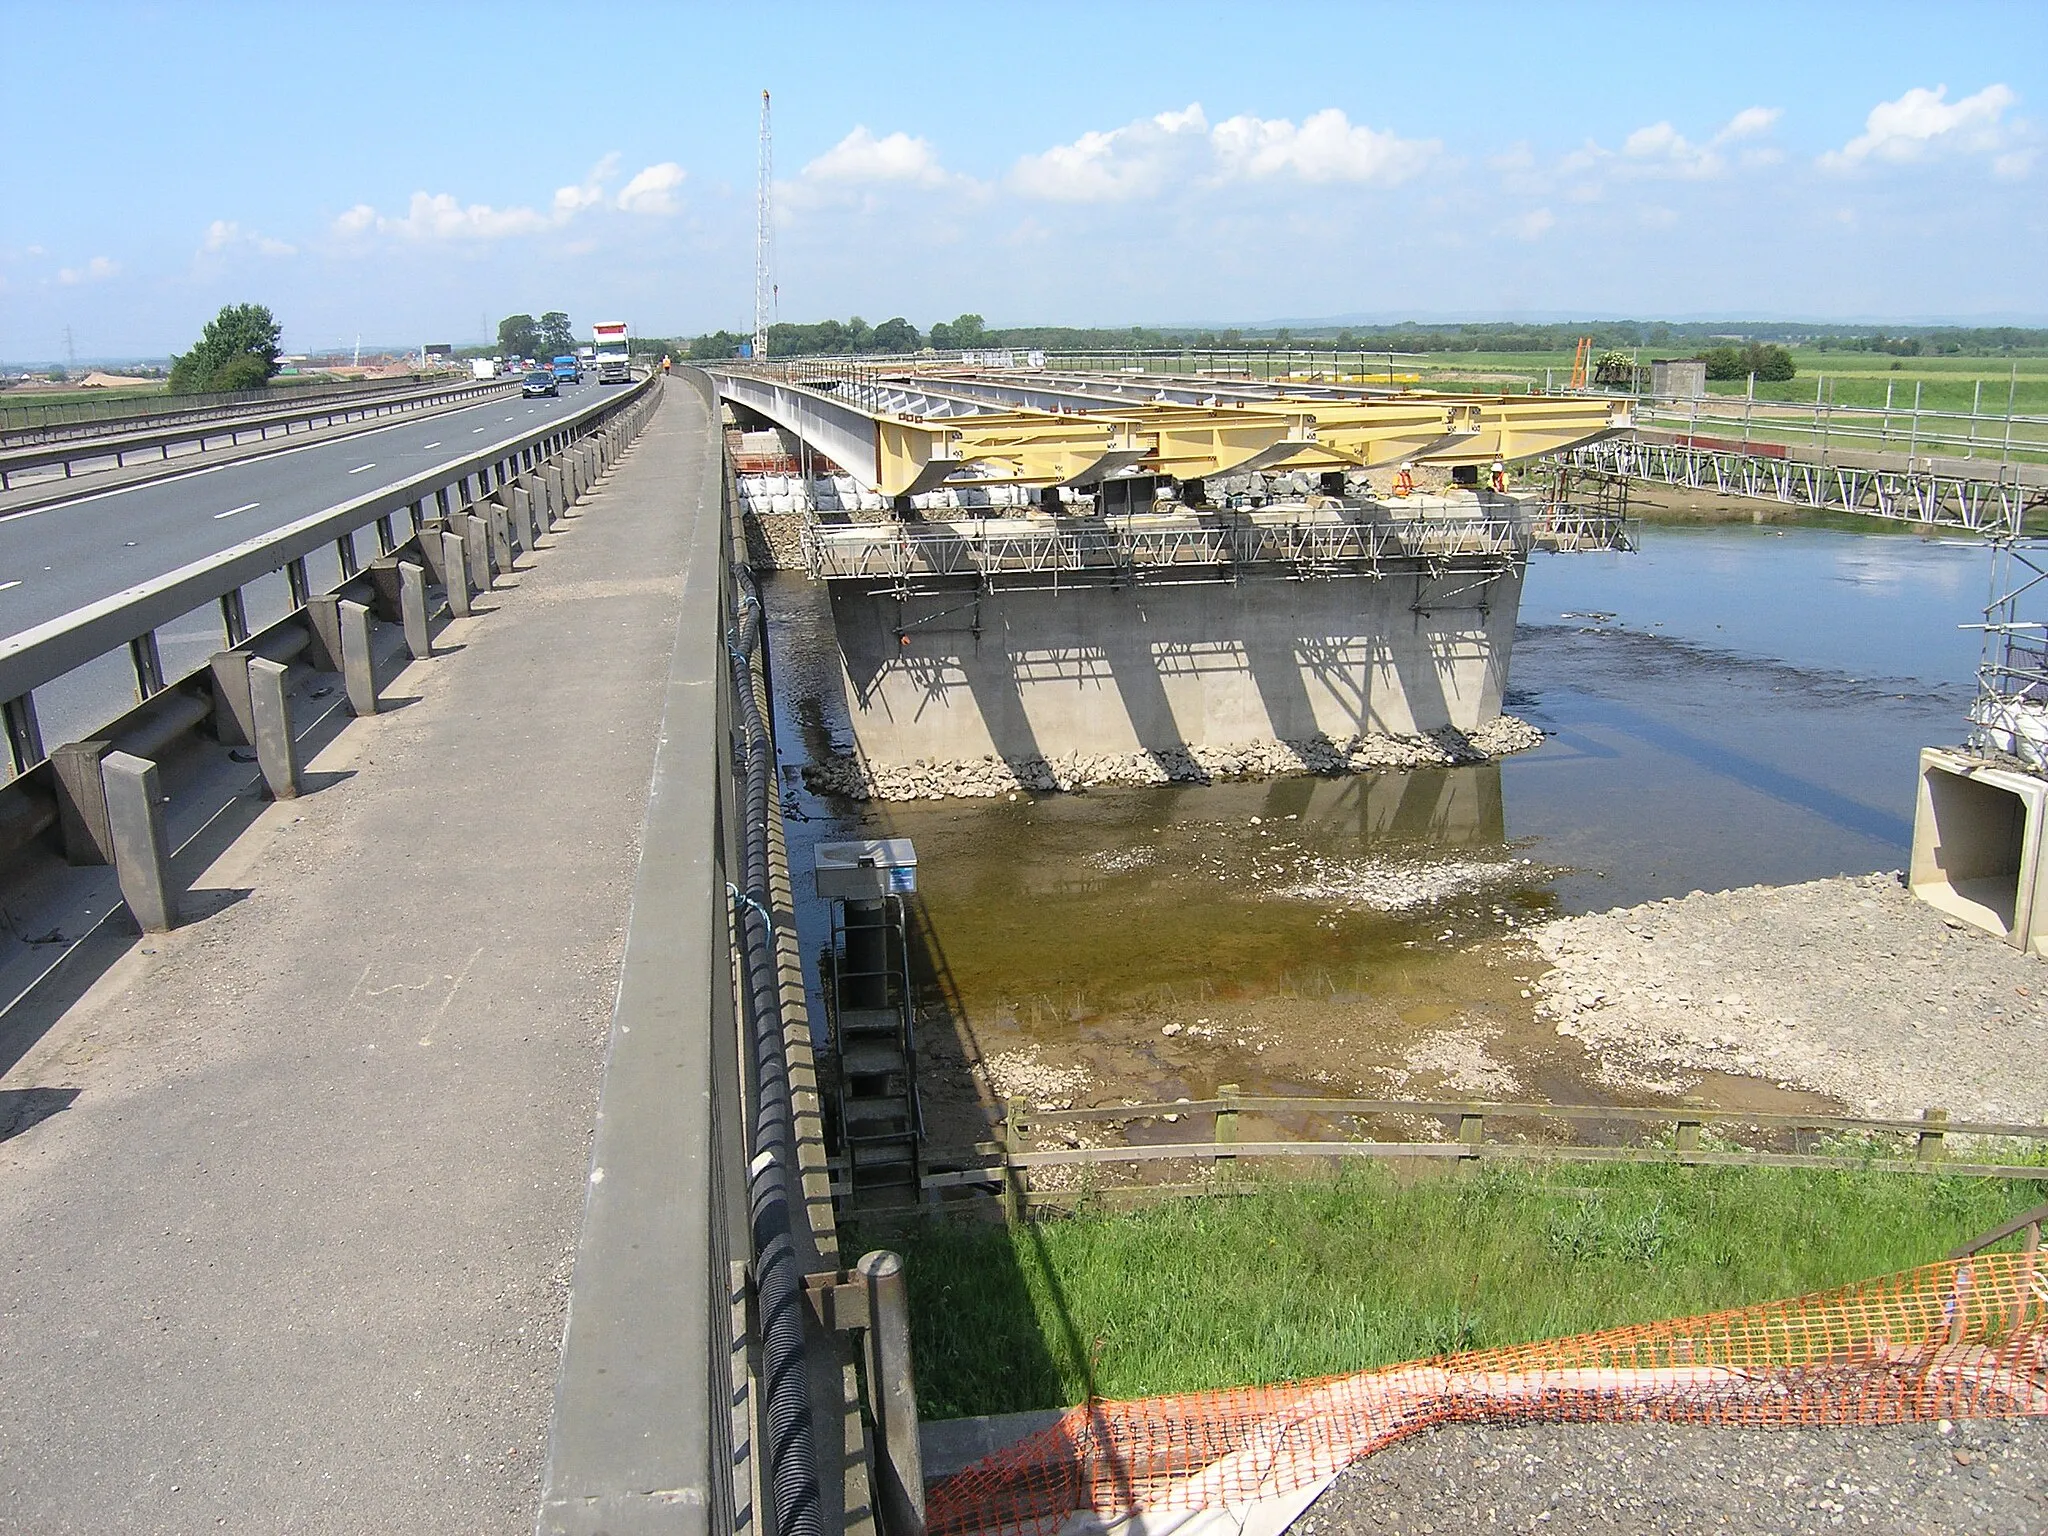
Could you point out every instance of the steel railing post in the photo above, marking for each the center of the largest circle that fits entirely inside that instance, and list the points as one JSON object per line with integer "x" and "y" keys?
{"x": 892, "y": 1395}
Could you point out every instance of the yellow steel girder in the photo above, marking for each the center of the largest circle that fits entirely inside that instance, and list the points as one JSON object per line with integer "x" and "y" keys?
{"x": 1193, "y": 442}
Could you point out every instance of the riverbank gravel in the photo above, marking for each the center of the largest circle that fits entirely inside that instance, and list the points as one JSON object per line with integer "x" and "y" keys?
{"x": 986, "y": 777}
{"x": 1988, "y": 1477}
{"x": 1849, "y": 987}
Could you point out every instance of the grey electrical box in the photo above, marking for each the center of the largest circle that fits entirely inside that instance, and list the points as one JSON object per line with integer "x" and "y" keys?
{"x": 866, "y": 870}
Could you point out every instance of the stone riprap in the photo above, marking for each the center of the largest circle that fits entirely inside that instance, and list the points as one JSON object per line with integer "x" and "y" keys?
{"x": 986, "y": 777}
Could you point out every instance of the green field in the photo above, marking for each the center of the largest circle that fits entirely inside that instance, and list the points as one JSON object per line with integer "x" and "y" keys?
{"x": 1310, "y": 1278}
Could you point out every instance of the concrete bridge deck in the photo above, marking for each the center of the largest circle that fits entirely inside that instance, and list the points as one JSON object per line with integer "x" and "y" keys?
{"x": 292, "y": 1193}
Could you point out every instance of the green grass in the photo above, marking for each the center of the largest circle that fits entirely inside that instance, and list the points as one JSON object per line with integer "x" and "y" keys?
{"x": 1307, "y": 1278}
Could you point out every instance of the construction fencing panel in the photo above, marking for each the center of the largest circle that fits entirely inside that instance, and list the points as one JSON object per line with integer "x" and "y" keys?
{"x": 1959, "y": 1339}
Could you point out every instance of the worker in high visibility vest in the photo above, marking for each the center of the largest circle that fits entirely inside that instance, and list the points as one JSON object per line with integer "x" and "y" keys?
{"x": 1500, "y": 475}
{"x": 1404, "y": 482}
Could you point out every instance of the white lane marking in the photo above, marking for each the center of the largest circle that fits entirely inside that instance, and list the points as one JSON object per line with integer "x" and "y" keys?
{"x": 479, "y": 429}
{"x": 247, "y": 506}
{"x": 8, "y": 586}
{"x": 158, "y": 482}
{"x": 361, "y": 467}
{"x": 429, "y": 445}
{"x": 508, "y": 418}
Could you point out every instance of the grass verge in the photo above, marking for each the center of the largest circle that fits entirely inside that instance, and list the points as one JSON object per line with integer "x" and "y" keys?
{"x": 1312, "y": 1277}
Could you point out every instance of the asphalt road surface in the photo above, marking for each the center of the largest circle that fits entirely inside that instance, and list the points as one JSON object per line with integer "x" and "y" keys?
{"x": 54, "y": 559}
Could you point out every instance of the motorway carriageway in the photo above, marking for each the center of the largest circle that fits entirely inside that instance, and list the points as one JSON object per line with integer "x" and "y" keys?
{"x": 57, "y": 558}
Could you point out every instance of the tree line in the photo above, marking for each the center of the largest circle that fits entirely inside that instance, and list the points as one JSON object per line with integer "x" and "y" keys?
{"x": 1764, "y": 344}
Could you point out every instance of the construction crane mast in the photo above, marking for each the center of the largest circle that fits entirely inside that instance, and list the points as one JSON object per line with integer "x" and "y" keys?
{"x": 764, "y": 237}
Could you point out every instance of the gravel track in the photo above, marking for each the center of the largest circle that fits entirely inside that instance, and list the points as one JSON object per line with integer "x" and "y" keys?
{"x": 1986, "y": 1477}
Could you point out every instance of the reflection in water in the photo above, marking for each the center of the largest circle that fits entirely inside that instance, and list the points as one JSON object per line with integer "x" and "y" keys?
{"x": 1746, "y": 709}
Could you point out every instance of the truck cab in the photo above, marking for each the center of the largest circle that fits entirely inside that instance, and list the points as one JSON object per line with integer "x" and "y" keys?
{"x": 614, "y": 351}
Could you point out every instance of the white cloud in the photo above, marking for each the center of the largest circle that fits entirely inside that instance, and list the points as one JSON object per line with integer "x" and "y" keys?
{"x": 1139, "y": 159}
{"x": 1533, "y": 225}
{"x": 1748, "y": 123}
{"x": 569, "y": 201}
{"x": 225, "y": 234}
{"x": 97, "y": 270}
{"x": 440, "y": 216}
{"x": 1327, "y": 146}
{"x": 1924, "y": 124}
{"x": 653, "y": 190}
{"x": 1149, "y": 156}
{"x": 861, "y": 157}
{"x": 1661, "y": 150}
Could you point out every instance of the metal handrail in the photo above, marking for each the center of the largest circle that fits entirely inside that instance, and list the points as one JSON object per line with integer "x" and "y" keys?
{"x": 112, "y": 413}
{"x": 40, "y": 655}
{"x": 116, "y": 445}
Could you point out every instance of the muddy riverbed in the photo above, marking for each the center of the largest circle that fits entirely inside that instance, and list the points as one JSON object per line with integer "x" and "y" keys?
{"x": 1730, "y": 707}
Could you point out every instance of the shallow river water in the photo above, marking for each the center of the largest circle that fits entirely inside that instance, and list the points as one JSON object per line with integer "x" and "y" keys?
{"x": 1727, "y": 706}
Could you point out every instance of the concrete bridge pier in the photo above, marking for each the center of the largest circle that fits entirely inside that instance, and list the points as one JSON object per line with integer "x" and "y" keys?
{"x": 960, "y": 673}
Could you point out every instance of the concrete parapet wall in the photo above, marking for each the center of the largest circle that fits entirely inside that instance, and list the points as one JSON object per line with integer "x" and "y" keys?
{"x": 945, "y": 675}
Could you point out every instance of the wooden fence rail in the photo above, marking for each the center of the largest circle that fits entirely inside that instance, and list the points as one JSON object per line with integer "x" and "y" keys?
{"x": 1002, "y": 1170}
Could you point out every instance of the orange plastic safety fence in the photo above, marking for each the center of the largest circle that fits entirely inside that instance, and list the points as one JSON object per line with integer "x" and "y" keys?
{"x": 1958, "y": 1339}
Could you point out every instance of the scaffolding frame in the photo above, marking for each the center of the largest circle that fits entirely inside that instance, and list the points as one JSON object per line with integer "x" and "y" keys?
{"x": 1910, "y": 493}
{"x": 1154, "y": 548}
{"x": 2010, "y": 713}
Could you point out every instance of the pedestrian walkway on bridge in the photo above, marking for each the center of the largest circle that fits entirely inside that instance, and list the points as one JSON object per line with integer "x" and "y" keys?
{"x": 294, "y": 1253}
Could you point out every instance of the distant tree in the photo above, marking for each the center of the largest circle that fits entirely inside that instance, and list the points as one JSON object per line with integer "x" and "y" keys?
{"x": 967, "y": 331}
{"x": 716, "y": 345}
{"x": 1774, "y": 362}
{"x": 859, "y": 334}
{"x": 556, "y": 339}
{"x": 247, "y": 371}
{"x": 518, "y": 336}
{"x": 895, "y": 335}
{"x": 58, "y": 376}
{"x": 1765, "y": 360}
{"x": 237, "y": 350}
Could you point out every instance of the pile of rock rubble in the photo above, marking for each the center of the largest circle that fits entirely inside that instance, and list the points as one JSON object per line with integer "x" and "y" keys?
{"x": 985, "y": 777}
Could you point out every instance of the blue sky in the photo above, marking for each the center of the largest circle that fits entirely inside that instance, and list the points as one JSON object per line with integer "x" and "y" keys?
{"x": 407, "y": 172}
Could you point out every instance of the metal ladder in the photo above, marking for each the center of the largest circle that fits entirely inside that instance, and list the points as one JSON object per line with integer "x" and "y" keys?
{"x": 869, "y": 1000}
